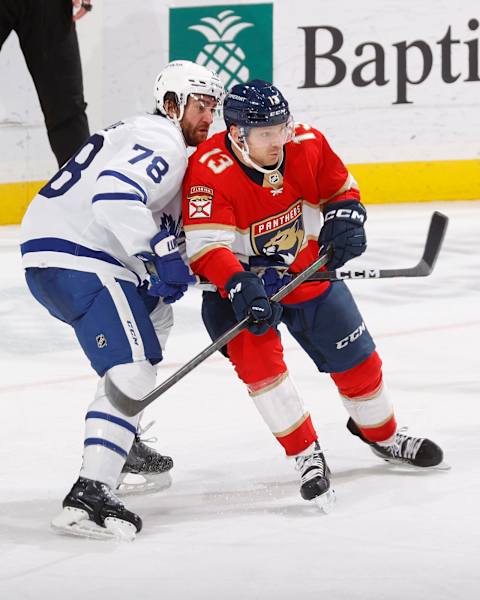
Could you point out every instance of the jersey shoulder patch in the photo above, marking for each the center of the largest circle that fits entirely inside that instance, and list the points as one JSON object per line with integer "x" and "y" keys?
{"x": 200, "y": 201}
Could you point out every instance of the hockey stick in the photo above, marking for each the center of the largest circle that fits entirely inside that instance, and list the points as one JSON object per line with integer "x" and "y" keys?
{"x": 433, "y": 244}
{"x": 130, "y": 407}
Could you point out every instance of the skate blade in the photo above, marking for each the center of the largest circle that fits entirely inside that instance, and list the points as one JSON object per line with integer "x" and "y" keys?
{"x": 75, "y": 521}
{"x": 148, "y": 483}
{"x": 326, "y": 501}
{"x": 443, "y": 466}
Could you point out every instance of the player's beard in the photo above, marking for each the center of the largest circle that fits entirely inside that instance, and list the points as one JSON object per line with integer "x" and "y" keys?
{"x": 195, "y": 135}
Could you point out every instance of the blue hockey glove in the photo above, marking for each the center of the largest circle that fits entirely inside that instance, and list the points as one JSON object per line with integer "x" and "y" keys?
{"x": 343, "y": 228}
{"x": 273, "y": 280}
{"x": 170, "y": 276}
{"x": 249, "y": 298}
{"x": 272, "y": 272}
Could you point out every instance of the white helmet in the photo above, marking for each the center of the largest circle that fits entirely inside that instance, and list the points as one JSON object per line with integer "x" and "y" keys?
{"x": 183, "y": 77}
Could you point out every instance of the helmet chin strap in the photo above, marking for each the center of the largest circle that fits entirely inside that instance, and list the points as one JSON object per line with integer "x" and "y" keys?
{"x": 246, "y": 156}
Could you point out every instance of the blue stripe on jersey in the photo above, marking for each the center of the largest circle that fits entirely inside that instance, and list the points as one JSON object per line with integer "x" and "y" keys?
{"x": 93, "y": 414}
{"x": 125, "y": 179}
{"x": 107, "y": 444}
{"x": 59, "y": 245}
{"x": 116, "y": 196}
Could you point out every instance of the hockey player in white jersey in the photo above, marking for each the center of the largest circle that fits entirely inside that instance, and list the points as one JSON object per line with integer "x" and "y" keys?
{"x": 99, "y": 245}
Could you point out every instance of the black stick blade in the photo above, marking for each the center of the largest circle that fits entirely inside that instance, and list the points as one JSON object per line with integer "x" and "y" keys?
{"x": 435, "y": 237}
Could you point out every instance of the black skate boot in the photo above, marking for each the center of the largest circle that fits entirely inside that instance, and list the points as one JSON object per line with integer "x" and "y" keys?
{"x": 151, "y": 467}
{"x": 405, "y": 449}
{"x": 92, "y": 510}
{"x": 315, "y": 477}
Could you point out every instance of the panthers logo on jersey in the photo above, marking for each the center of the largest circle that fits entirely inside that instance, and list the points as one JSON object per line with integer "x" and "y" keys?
{"x": 280, "y": 236}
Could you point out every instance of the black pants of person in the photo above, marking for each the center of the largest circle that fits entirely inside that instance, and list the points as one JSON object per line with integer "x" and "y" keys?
{"x": 50, "y": 46}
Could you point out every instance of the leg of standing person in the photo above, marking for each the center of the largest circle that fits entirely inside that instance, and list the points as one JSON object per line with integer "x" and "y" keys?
{"x": 113, "y": 327}
{"x": 331, "y": 330}
{"x": 258, "y": 361}
{"x": 48, "y": 39}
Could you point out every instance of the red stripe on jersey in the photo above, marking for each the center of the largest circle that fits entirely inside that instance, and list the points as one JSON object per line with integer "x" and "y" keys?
{"x": 300, "y": 439}
{"x": 360, "y": 381}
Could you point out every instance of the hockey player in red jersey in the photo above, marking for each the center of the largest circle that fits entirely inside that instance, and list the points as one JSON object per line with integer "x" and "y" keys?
{"x": 260, "y": 201}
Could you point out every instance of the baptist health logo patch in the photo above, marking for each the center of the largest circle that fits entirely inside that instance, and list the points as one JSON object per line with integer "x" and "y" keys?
{"x": 235, "y": 40}
{"x": 200, "y": 200}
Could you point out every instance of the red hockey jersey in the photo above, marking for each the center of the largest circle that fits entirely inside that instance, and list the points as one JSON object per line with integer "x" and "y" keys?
{"x": 232, "y": 212}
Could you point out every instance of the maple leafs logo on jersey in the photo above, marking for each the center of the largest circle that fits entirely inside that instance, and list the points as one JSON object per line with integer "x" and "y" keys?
{"x": 200, "y": 200}
{"x": 280, "y": 236}
{"x": 170, "y": 224}
{"x": 173, "y": 226}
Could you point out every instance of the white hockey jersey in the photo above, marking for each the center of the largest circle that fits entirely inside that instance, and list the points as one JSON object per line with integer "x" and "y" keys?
{"x": 106, "y": 203}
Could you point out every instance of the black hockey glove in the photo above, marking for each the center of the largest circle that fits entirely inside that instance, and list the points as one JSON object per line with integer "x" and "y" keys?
{"x": 343, "y": 228}
{"x": 249, "y": 298}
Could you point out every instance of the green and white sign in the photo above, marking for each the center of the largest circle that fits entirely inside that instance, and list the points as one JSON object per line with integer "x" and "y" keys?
{"x": 235, "y": 40}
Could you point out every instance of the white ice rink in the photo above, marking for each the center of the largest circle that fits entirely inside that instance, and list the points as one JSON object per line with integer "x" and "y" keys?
{"x": 233, "y": 525}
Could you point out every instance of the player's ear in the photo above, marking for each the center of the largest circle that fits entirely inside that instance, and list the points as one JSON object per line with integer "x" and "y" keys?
{"x": 235, "y": 133}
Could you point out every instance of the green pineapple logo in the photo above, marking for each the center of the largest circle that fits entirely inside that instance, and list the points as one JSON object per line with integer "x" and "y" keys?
{"x": 235, "y": 41}
{"x": 222, "y": 54}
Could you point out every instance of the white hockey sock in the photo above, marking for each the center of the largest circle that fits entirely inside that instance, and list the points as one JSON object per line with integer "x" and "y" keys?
{"x": 109, "y": 434}
{"x": 108, "y": 438}
{"x": 374, "y": 415}
{"x": 282, "y": 409}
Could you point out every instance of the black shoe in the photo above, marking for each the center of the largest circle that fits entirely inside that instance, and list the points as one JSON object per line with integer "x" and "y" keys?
{"x": 315, "y": 477}
{"x": 419, "y": 452}
{"x": 142, "y": 459}
{"x": 91, "y": 509}
{"x": 151, "y": 467}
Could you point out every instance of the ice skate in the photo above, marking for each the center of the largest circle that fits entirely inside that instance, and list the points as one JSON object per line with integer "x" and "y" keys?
{"x": 145, "y": 470}
{"x": 92, "y": 510}
{"x": 315, "y": 478}
{"x": 405, "y": 449}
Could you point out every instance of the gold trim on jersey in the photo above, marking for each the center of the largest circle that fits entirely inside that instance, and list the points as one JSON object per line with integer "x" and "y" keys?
{"x": 206, "y": 250}
{"x": 215, "y": 226}
{"x": 211, "y": 226}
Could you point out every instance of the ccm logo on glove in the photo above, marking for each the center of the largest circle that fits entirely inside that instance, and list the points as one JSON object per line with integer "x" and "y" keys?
{"x": 343, "y": 230}
{"x": 346, "y": 213}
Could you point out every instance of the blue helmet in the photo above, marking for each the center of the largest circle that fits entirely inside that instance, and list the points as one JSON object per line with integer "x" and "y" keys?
{"x": 256, "y": 103}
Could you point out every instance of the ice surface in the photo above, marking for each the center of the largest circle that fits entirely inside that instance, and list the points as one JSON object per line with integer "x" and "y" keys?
{"x": 233, "y": 525}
